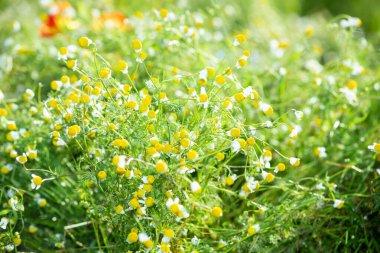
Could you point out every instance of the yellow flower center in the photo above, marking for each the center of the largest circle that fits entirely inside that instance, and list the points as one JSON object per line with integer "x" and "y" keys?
{"x": 102, "y": 175}
{"x": 203, "y": 98}
{"x": 161, "y": 166}
{"x": 235, "y": 132}
{"x": 132, "y": 237}
{"x": 37, "y": 180}
{"x": 217, "y": 212}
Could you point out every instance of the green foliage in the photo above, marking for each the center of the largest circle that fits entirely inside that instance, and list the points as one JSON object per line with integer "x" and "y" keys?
{"x": 201, "y": 127}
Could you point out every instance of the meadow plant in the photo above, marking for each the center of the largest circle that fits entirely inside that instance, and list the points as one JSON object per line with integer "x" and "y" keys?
{"x": 185, "y": 133}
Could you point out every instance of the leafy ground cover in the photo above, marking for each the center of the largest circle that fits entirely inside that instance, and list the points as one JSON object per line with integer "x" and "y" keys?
{"x": 149, "y": 128}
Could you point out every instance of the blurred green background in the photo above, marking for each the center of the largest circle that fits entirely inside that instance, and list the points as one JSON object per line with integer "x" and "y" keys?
{"x": 367, "y": 10}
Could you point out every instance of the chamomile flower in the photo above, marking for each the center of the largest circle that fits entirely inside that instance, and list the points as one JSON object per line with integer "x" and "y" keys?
{"x": 195, "y": 187}
{"x": 145, "y": 240}
{"x": 41, "y": 202}
{"x": 73, "y": 131}
{"x": 268, "y": 177}
{"x": 309, "y": 31}
{"x": 250, "y": 186}
{"x": 267, "y": 155}
{"x": 239, "y": 39}
{"x": 102, "y": 175}
{"x": 142, "y": 56}
{"x": 350, "y": 95}
{"x": 133, "y": 236}
{"x": 251, "y": 230}
{"x": 9, "y": 247}
{"x": 4, "y": 222}
{"x": 161, "y": 166}
{"x": 320, "y": 186}
{"x": 152, "y": 152}
{"x": 338, "y": 204}
{"x": 32, "y": 154}
{"x": 350, "y": 22}
{"x": 203, "y": 75}
{"x": 13, "y": 136}
{"x": 219, "y": 80}
{"x": 122, "y": 66}
{"x": 121, "y": 143}
{"x": 63, "y": 53}
{"x": 230, "y": 180}
{"x": 32, "y": 229}
{"x": 183, "y": 169}
{"x": 149, "y": 202}
{"x": 320, "y": 152}
{"x": 243, "y": 60}
{"x": 84, "y": 42}
{"x": 164, "y": 248}
{"x": 28, "y": 95}
{"x": 105, "y": 73}
{"x": 22, "y": 158}
{"x": 266, "y": 108}
{"x": 298, "y": 114}
{"x": 176, "y": 208}
{"x": 220, "y": 156}
{"x": 6, "y": 169}
{"x": 375, "y": 147}
{"x": 237, "y": 145}
{"x": 11, "y": 125}
{"x": 228, "y": 104}
{"x": 168, "y": 235}
{"x": 72, "y": 64}
{"x": 354, "y": 66}
{"x": 137, "y": 45}
{"x": 217, "y": 212}
{"x": 119, "y": 209}
{"x": 234, "y": 132}
{"x": 294, "y": 161}
{"x": 163, "y": 97}
{"x": 192, "y": 154}
{"x": 352, "y": 85}
{"x": 36, "y": 182}
{"x": 203, "y": 98}
{"x": 16, "y": 204}
{"x": 55, "y": 85}
{"x": 280, "y": 167}
{"x": 278, "y": 48}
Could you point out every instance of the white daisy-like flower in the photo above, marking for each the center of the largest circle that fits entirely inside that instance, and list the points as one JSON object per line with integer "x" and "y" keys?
{"x": 195, "y": 187}
{"x": 375, "y": 147}
{"x": 338, "y": 204}
{"x": 321, "y": 152}
{"x": 298, "y": 114}
{"x": 320, "y": 186}
{"x": 36, "y": 182}
{"x": 294, "y": 161}
{"x": 195, "y": 240}
{"x": 203, "y": 98}
{"x": 350, "y": 96}
{"x": 4, "y": 222}
{"x": 235, "y": 146}
{"x": 9, "y": 247}
{"x": 350, "y": 22}
{"x": 22, "y": 158}
{"x": 143, "y": 237}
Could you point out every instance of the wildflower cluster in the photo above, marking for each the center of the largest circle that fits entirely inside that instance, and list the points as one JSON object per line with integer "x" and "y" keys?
{"x": 161, "y": 132}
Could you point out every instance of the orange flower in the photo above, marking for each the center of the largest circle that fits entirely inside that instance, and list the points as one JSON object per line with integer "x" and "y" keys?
{"x": 52, "y": 24}
{"x": 113, "y": 19}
